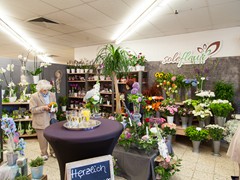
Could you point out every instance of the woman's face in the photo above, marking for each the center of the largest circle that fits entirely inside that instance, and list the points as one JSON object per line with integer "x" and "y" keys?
{"x": 44, "y": 91}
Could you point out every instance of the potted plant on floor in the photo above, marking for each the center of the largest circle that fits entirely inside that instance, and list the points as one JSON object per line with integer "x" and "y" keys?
{"x": 37, "y": 167}
{"x": 216, "y": 133}
{"x": 29, "y": 130}
{"x": 196, "y": 135}
{"x": 115, "y": 60}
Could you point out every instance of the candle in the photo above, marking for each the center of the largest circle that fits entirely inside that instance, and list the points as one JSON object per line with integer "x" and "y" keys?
{"x": 147, "y": 131}
{"x": 130, "y": 121}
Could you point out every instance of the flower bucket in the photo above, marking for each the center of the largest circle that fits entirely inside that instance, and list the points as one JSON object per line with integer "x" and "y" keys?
{"x": 37, "y": 172}
{"x": 196, "y": 145}
{"x": 184, "y": 122}
{"x": 220, "y": 120}
{"x": 169, "y": 144}
{"x": 207, "y": 120}
{"x": 170, "y": 119}
{"x": 12, "y": 158}
{"x": 35, "y": 79}
{"x": 216, "y": 148}
{"x": 190, "y": 119}
{"x": 12, "y": 99}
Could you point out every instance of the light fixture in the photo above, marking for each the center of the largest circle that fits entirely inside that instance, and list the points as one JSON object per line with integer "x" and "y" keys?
{"x": 132, "y": 25}
{"x": 16, "y": 36}
{"x": 22, "y": 40}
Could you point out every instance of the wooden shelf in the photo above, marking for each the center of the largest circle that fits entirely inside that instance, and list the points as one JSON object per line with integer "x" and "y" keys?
{"x": 25, "y": 135}
{"x": 92, "y": 80}
{"x": 105, "y": 80}
{"x": 105, "y": 105}
{"x": 77, "y": 81}
{"x": 74, "y": 73}
{"x": 121, "y": 82}
{"x": 15, "y": 103}
{"x": 180, "y": 131}
{"x": 105, "y": 92}
{"x": 79, "y": 97}
{"x": 18, "y": 120}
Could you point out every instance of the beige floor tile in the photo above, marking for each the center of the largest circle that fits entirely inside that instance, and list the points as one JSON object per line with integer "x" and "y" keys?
{"x": 203, "y": 175}
{"x": 196, "y": 166}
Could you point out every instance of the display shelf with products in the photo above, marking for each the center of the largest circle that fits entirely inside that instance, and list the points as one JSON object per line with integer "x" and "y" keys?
{"x": 19, "y": 108}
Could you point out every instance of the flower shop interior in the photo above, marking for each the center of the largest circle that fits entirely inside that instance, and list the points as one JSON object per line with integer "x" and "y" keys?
{"x": 120, "y": 89}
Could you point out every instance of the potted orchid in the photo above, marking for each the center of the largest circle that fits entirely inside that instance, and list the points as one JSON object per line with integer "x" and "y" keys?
{"x": 14, "y": 143}
{"x": 140, "y": 62}
{"x": 93, "y": 99}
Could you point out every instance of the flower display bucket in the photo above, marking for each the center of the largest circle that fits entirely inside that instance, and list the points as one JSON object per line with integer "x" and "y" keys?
{"x": 170, "y": 119}
{"x": 201, "y": 123}
{"x": 136, "y": 108}
{"x": 207, "y": 120}
{"x": 196, "y": 145}
{"x": 184, "y": 122}
{"x": 37, "y": 172}
{"x": 216, "y": 148}
{"x": 11, "y": 158}
{"x": 190, "y": 119}
{"x": 220, "y": 120}
{"x": 169, "y": 144}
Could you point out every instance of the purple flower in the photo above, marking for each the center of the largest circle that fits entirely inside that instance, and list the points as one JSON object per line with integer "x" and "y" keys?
{"x": 134, "y": 91}
{"x": 139, "y": 99}
{"x": 194, "y": 83}
{"x": 127, "y": 135}
{"x": 136, "y": 85}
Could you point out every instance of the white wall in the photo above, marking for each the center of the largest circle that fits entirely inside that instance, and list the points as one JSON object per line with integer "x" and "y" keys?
{"x": 156, "y": 49}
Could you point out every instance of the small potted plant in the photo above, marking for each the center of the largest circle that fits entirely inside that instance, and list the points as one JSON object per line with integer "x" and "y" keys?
{"x": 216, "y": 133}
{"x": 196, "y": 135}
{"x": 184, "y": 114}
{"x": 22, "y": 178}
{"x": 29, "y": 130}
{"x": 27, "y": 114}
{"x": 20, "y": 130}
{"x": 37, "y": 167}
{"x": 141, "y": 60}
{"x": 63, "y": 100}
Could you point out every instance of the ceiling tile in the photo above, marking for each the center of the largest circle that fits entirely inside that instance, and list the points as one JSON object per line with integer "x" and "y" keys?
{"x": 63, "y": 4}
{"x": 91, "y": 15}
{"x": 183, "y": 5}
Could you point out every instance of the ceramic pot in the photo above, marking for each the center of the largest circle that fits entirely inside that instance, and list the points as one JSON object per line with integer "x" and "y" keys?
{"x": 37, "y": 172}
{"x": 35, "y": 79}
{"x": 12, "y": 99}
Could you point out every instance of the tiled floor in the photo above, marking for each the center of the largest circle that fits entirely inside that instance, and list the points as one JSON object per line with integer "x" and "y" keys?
{"x": 202, "y": 166}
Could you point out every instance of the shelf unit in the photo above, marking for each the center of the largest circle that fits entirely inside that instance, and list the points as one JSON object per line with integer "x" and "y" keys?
{"x": 82, "y": 81}
{"x": 15, "y": 106}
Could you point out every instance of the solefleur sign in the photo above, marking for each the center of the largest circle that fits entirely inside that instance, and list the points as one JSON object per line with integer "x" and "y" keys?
{"x": 189, "y": 57}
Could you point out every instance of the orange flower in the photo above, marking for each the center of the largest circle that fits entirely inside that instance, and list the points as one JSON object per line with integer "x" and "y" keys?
{"x": 54, "y": 104}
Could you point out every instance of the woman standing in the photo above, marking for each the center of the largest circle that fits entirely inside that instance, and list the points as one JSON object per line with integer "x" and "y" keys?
{"x": 40, "y": 114}
{"x": 234, "y": 150}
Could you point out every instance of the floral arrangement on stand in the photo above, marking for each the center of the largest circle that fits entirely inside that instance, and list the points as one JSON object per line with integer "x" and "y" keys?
{"x": 221, "y": 108}
{"x": 93, "y": 99}
{"x": 137, "y": 62}
{"x": 168, "y": 129}
{"x": 14, "y": 143}
{"x": 196, "y": 133}
{"x": 152, "y": 106}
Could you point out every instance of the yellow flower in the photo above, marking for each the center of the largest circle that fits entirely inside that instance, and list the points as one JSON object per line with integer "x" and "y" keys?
{"x": 150, "y": 98}
{"x": 156, "y": 74}
{"x": 160, "y": 75}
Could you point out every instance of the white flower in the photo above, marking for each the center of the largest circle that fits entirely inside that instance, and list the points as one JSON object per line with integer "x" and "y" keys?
{"x": 23, "y": 67}
{"x": 96, "y": 97}
{"x": 2, "y": 70}
{"x": 44, "y": 64}
{"x": 11, "y": 84}
{"x": 198, "y": 128}
{"x": 10, "y": 67}
{"x": 203, "y": 78}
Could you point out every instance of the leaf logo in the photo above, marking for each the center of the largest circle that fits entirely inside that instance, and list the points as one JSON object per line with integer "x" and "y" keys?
{"x": 212, "y": 48}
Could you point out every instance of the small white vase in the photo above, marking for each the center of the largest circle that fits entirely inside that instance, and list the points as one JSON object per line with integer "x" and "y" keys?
{"x": 35, "y": 79}
{"x": 12, "y": 99}
{"x": 64, "y": 108}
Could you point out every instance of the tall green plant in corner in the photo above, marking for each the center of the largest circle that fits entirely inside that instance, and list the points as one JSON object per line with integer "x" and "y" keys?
{"x": 115, "y": 61}
{"x": 224, "y": 90}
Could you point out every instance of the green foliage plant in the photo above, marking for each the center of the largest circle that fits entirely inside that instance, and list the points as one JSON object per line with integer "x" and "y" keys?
{"x": 215, "y": 131}
{"x": 196, "y": 133}
{"x": 224, "y": 90}
{"x": 36, "y": 72}
{"x": 115, "y": 60}
{"x": 36, "y": 162}
{"x": 22, "y": 178}
{"x": 221, "y": 109}
{"x": 63, "y": 100}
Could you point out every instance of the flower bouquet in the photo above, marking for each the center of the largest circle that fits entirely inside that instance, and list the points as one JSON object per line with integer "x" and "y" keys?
{"x": 230, "y": 129}
{"x": 14, "y": 143}
{"x": 53, "y": 106}
{"x": 168, "y": 129}
{"x": 216, "y": 132}
{"x": 196, "y": 133}
{"x": 152, "y": 106}
{"x": 221, "y": 108}
{"x": 93, "y": 99}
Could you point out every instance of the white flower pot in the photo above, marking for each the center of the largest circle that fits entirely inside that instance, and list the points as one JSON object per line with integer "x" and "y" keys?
{"x": 12, "y": 99}
{"x": 140, "y": 68}
{"x": 81, "y": 70}
{"x": 102, "y": 77}
{"x": 35, "y": 79}
{"x": 72, "y": 70}
{"x": 64, "y": 108}
{"x": 90, "y": 70}
{"x": 68, "y": 71}
{"x": 78, "y": 70}
{"x": 131, "y": 68}
{"x": 95, "y": 78}
{"x": 85, "y": 70}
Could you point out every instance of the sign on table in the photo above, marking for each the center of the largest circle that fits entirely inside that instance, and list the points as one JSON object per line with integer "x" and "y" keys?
{"x": 100, "y": 168}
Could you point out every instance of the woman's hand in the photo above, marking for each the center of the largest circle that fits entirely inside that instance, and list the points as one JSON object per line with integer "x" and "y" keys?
{"x": 46, "y": 108}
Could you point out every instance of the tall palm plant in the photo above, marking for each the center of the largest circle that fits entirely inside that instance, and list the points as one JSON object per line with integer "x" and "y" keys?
{"x": 115, "y": 61}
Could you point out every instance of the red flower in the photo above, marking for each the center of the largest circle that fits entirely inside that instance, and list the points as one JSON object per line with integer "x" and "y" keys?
{"x": 147, "y": 120}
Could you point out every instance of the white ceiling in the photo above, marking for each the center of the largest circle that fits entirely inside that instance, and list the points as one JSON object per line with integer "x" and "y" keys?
{"x": 92, "y": 22}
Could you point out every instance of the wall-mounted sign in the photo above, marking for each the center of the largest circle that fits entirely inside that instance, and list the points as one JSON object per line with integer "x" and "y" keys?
{"x": 190, "y": 57}
{"x": 91, "y": 169}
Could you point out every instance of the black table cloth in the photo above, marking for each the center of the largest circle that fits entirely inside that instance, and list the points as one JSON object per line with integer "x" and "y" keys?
{"x": 135, "y": 164}
{"x": 72, "y": 146}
